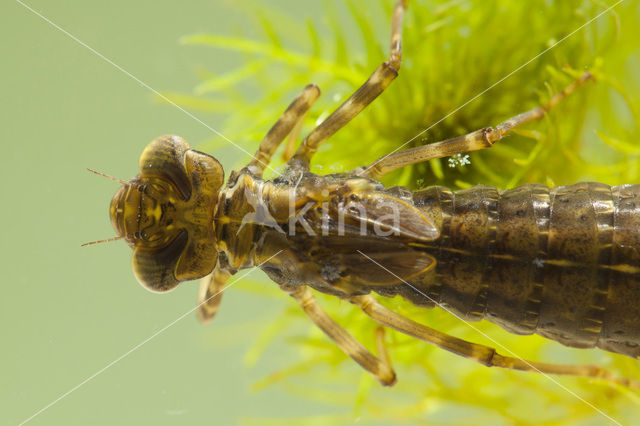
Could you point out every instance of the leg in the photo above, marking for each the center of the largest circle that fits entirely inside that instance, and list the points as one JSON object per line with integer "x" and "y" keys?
{"x": 290, "y": 144}
{"x": 381, "y": 347}
{"x": 378, "y": 368}
{"x": 483, "y": 354}
{"x": 210, "y": 293}
{"x": 374, "y": 86}
{"x": 480, "y": 139}
{"x": 291, "y": 118}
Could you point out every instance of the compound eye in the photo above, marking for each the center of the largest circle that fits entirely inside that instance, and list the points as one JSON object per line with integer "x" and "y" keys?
{"x": 155, "y": 268}
{"x": 164, "y": 156}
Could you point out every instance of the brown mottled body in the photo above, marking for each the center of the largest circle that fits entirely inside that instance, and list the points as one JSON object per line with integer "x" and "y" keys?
{"x": 561, "y": 262}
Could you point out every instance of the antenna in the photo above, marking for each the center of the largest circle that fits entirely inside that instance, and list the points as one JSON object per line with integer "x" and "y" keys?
{"x": 102, "y": 241}
{"x": 109, "y": 177}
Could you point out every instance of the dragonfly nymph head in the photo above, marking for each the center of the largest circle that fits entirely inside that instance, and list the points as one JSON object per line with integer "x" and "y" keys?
{"x": 166, "y": 213}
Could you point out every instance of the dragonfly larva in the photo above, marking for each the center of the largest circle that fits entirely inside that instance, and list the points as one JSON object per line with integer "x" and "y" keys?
{"x": 560, "y": 262}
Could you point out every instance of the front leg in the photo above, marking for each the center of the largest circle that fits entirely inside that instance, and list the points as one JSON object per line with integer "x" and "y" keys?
{"x": 289, "y": 122}
{"x": 210, "y": 293}
{"x": 380, "y": 369}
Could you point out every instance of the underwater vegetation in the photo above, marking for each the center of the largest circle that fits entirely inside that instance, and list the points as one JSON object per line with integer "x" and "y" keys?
{"x": 453, "y": 52}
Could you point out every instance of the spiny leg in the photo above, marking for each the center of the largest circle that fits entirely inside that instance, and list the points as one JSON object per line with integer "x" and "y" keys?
{"x": 483, "y": 354}
{"x": 371, "y": 89}
{"x": 480, "y": 139}
{"x": 380, "y": 369}
{"x": 210, "y": 293}
{"x": 290, "y": 119}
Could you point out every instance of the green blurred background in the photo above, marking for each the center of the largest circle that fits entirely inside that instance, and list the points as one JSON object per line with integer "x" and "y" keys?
{"x": 67, "y": 312}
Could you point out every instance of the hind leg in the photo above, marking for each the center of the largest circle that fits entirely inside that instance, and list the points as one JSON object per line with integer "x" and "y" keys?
{"x": 480, "y": 139}
{"x": 484, "y": 355}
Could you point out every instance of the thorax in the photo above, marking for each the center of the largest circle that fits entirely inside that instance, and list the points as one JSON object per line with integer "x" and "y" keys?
{"x": 304, "y": 229}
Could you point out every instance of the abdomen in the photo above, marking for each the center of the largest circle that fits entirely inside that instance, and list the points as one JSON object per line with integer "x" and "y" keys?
{"x": 563, "y": 262}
